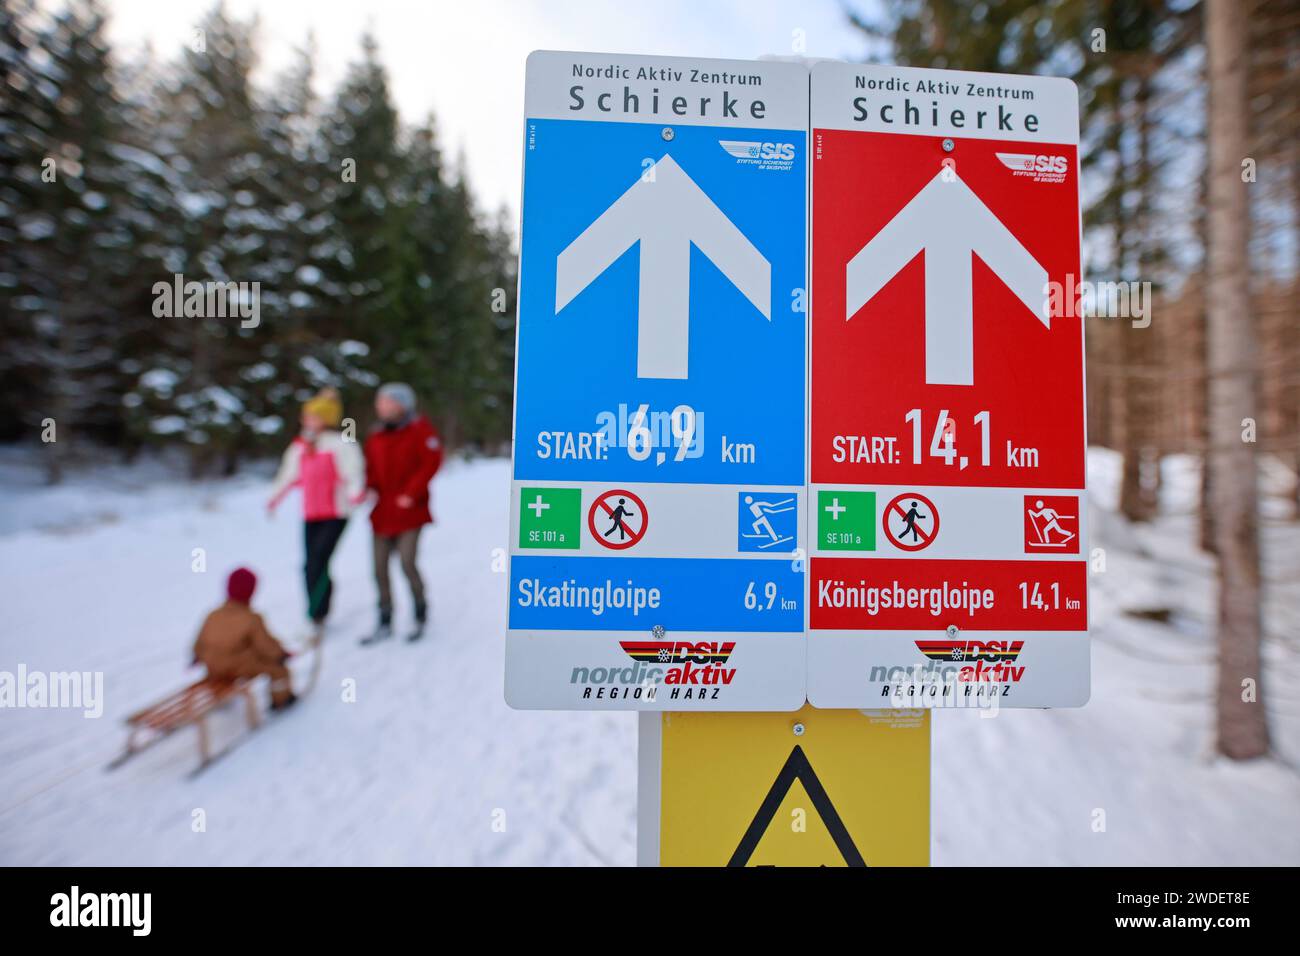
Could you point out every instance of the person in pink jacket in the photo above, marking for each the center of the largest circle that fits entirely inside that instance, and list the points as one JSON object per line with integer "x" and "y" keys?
{"x": 331, "y": 471}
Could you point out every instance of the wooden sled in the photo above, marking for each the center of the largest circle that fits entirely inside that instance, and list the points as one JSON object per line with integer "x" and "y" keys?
{"x": 189, "y": 706}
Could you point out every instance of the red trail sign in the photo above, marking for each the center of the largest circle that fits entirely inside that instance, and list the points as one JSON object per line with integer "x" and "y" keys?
{"x": 947, "y": 370}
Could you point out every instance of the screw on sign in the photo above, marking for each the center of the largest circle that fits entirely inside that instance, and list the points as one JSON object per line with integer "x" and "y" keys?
{"x": 618, "y": 519}
{"x": 911, "y": 521}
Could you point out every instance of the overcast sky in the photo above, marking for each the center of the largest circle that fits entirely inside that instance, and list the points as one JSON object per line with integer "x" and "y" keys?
{"x": 464, "y": 59}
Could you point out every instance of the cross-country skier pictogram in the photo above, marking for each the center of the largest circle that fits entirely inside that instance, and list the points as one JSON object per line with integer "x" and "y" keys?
{"x": 761, "y": 522}
{"x": 1046, "y": 520}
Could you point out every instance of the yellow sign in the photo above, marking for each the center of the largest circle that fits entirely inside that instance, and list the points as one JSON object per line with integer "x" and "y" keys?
{"x": 813, "y": 788}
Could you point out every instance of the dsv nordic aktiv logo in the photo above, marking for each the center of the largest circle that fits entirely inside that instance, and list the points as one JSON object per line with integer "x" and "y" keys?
{"x": 691, "y": 670}
{"x": 992, "y": 652}
{"x": 993, "y": 661}
{"x": 708, "y": 653}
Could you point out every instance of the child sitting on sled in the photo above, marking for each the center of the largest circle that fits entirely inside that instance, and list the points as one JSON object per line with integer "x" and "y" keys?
{"x": 234, "y": 642}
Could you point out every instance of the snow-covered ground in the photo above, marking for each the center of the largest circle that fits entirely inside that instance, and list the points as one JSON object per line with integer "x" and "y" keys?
{"x": 428, "y": 762}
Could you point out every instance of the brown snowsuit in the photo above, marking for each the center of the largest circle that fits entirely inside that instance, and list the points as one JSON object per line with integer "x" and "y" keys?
{"x": 234, "y": 642}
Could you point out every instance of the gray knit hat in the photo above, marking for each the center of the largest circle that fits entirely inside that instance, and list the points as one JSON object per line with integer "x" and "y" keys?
{"x": 399, "y": 392}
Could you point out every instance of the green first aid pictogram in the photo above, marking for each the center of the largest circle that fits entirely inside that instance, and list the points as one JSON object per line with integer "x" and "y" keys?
{"x": 550, "y": 517}
{"x": 846, "y": 520}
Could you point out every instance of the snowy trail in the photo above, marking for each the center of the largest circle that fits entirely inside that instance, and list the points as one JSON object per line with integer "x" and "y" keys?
{"x": 428, "y": 762}
{"x": 417, "y": 770}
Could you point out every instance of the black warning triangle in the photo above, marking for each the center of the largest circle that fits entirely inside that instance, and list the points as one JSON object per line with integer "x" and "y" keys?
{"x": 798, "y": 768}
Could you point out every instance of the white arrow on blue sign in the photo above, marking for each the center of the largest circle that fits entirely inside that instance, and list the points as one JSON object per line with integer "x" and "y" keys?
{"x": 667, "y": 213}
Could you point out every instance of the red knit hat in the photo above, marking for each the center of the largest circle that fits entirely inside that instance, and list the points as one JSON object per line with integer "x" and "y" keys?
{"x": 240, "y": 585}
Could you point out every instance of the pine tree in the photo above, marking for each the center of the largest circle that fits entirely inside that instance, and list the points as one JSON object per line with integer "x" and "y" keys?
{"x": 470, "y": 316}
{"x": 25, "y": 111}
{"x": 295, "y": 296}
{"x": 420, "y": 311}
{"x": 74, "y": 268}
{"x": 498, "y": 395}
{"x": 213, "y": 127}
{"x": 370, "y": 259}
{"x": 361, "y": 138}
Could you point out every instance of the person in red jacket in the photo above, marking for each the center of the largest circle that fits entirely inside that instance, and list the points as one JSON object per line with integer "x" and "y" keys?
{"x": 403, "y": 453}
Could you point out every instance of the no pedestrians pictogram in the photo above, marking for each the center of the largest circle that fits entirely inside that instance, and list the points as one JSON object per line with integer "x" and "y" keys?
{"x": 618, "y": 519}
{"x": 911, "y": 521}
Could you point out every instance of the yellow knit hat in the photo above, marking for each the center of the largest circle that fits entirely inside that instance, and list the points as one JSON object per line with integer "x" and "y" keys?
{"x": 326, "y": 406}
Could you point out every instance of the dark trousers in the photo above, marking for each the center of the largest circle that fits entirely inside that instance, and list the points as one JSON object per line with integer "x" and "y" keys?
{"x": 405, "y": 544}
{"x": 320, "y": 538}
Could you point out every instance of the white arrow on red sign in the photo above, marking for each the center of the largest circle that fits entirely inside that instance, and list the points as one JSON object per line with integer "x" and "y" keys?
{"x": 948, "y": 221}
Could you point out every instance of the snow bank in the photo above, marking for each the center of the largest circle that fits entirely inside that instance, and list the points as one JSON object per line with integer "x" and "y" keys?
{"x": 429, "y": 766}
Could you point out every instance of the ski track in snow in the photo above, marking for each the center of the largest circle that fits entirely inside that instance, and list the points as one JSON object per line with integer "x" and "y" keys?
{"x": 428, "y": 762}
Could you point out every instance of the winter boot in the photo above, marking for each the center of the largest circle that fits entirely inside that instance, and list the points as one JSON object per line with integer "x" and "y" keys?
{"x": 381, "y": 633}
{"x": 421, "y": 618}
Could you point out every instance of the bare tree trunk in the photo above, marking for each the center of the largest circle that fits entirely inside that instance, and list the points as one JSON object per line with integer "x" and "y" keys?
{"x": 1206, "y": 510}
{"x": 61, "y": 388}
{"x": 1291, "y": 390}
{"x": 1139, "y": 481}
{"x": 1205, "y": 526}
{"x": 1242, "y": 726}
